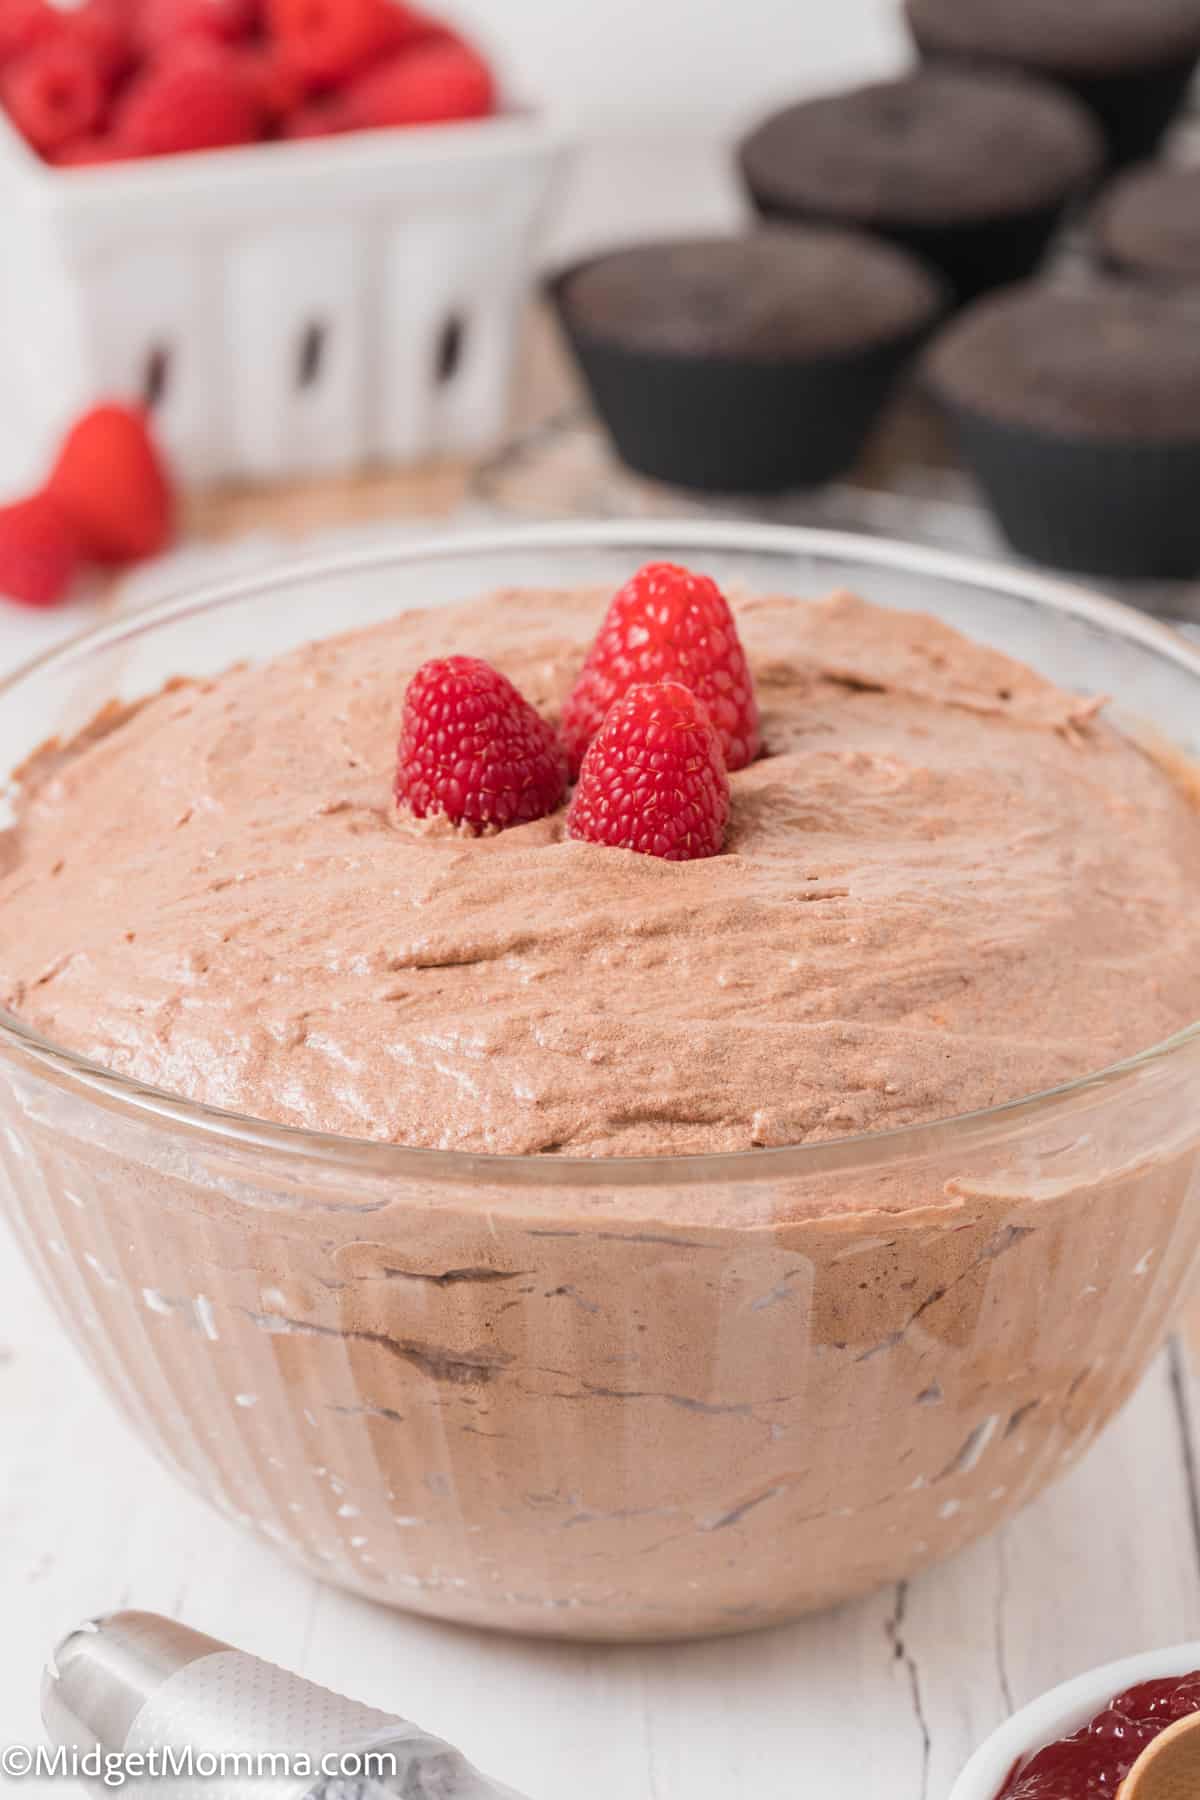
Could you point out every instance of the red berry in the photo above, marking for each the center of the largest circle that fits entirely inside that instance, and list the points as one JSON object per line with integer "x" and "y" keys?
{"x": 473, "y": 748}
{"x": 325, "y": 117}
{"x": 328, "y": 40}
{"x": 54, "y": 92}
{"x": 24, "y": 23}
{"x": 86, "y": 152}
{"x": 197, "y": 98}
{"x": 430, "y": 84}
{"x": 424, "y": 29}
{"x": 668, "y": 625}
{"x": 105, "y": 28}
{"x": 110, "y": 482}
{"x": 653, "y": 779}
{"x": 277, "y": 87}
{"x": 163, "y": 24}
{"x": 39, "y": 553}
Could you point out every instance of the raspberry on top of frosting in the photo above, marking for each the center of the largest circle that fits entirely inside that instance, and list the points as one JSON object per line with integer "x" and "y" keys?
{"x": 474, "y": 752}
{"x": 667, "y": 624}
{"x": 653, "y": 779}
{"x": 472, "y": 748}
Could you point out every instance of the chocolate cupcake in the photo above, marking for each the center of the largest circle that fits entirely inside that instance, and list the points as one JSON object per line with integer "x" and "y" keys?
{"x": 1131, "y": 61}
{"x": 1079, "y": 413}
{"x": 746, "y": 364}
{"x": 970, "y": 171}
{"x": 1147, "y": 225}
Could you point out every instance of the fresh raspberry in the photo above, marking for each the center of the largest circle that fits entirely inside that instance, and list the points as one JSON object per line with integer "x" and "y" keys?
{"x": 653, "y": 779}
{"x": 86, "y": 152}
{"x": 473, "y": 748}
{"x": 105, "y": 29}
{"x": 39, "y": 552}
{"x": 328, "y": 40}
{"x": 424, "y": 29}
{"x": 668, "y": 625}
{"x": 54, "y": 92}
{"x": 199, "y": 97}
{"x": 24, "y": 23}
{"x": 321, "y": 118}
{"x": 277, "y": 87}
{"x": 163, "y": 24}
{"x": 110, "y": 483}
{"x": 430, "y": 84}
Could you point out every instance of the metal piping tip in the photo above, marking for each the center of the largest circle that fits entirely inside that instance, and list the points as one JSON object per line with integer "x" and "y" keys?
{"x": 173, "y": 1706}
{"x": 101, "y": 1675}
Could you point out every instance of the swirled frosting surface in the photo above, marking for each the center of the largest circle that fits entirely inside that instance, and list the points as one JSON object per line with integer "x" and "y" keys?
{"x": 946, "y": 884}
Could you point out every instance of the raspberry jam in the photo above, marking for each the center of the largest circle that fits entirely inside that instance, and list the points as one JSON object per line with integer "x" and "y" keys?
{"x": 1093, "y": 1764}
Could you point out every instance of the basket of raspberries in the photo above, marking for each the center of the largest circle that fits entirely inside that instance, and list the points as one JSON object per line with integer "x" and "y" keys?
{"x": 108, "y": 80}
{"x": 299, "y": 231}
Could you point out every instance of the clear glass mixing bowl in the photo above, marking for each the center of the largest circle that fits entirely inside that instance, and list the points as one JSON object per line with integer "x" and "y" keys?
{"x": 611, "y": 1399}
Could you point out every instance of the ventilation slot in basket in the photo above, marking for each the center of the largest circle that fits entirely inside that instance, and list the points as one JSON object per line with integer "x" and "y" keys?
{"x": 450, "y": 347}
{"x": 310, "y": 358}
{"x": 156, "y": 377}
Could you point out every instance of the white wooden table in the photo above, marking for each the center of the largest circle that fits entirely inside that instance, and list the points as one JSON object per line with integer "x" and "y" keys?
{"x": 883, "y": 1700}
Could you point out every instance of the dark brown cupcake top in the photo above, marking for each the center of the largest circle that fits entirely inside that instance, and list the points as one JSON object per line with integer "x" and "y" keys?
{"x": 935, "y": 147}
{"x": 1071, "y": 37}
{"x": 1149, "y": 223}
{"x": 768, "y": 295}
{"x": 1116, "y": 362}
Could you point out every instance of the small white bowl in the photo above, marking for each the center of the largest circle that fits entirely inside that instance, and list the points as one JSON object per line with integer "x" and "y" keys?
{"x": 1060, "y": 1713}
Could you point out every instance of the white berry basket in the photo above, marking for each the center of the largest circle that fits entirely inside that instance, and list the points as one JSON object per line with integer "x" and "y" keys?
{"x": 286, "y": 309}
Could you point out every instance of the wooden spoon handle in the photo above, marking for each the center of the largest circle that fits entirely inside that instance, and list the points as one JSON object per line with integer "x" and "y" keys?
{"x": 1169, "y": 1768}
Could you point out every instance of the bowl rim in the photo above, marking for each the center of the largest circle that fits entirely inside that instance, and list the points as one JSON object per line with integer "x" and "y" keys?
{"x": 67, "y": 1069}
{"x": 1061, "y": 1711}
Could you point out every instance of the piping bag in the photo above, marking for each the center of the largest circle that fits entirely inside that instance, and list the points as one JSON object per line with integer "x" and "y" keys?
{"x": 176, "y": 1715}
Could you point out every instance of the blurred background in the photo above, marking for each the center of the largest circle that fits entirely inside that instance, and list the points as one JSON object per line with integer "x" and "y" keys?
{"x": 328, "y": 302}
{"x": 660, "y": 91}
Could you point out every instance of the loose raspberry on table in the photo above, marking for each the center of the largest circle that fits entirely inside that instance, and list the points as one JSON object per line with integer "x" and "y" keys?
{"x": 39, "y": 552}
{"x": 654, "y": 779}
{"x": 111, "y": 483}
{"x": 668, "y": 624}
{"x": 473, "y": 748}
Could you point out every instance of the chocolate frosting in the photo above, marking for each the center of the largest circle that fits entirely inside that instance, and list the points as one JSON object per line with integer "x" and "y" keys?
{"x": 946, "y": 884}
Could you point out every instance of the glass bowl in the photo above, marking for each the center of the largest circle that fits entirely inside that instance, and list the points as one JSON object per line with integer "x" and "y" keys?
{"x": 649, "y": 1398}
